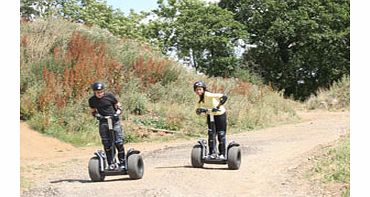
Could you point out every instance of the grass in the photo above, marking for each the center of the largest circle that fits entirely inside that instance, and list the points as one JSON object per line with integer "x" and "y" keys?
{"x": 25, "y": 183}
{"x": 337, "y": 97}
{"x": 333, "y": 166}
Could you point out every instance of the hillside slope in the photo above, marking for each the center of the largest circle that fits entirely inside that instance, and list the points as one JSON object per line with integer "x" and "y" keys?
{"x": 59, "y": 61}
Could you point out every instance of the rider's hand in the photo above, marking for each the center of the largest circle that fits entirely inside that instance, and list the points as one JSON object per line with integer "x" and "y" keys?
{"x": 98, "y": 116}
{"x": 115, "y": 117}
{"x": 198, "y": 111}
{"x": 215, "y": 109}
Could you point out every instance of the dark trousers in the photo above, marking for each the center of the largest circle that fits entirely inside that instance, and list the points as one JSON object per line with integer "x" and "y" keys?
{"x": 220, "y": 131}
{"x": 106, "y": 138}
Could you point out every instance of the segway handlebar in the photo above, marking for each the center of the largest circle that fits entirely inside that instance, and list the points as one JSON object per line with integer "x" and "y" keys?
{"x": 207, "y": 111}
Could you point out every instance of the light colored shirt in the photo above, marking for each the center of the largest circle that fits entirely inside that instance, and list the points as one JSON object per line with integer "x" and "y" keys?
{"x": 211, "y": 100}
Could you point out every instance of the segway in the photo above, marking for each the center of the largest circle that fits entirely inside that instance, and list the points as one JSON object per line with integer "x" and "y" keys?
{"x": 98, "y": 165}
{"x": 200, "y": 156}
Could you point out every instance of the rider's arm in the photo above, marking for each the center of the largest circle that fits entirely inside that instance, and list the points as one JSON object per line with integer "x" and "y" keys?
{"x": 118, "y": 107}
{"x": 92, "y": 105}
{"x": 93, "y": 111}
{"x": 115, "y": 102}
{"x": 222, "y": 98}
{"x": 213, "y": 95}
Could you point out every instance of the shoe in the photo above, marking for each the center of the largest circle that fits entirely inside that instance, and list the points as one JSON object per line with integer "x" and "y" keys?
{"x": 221, "y": 157}
{"x": 122, "y": 166}
{"x": 212, "y": 156}
{"x": 113, "y": 166}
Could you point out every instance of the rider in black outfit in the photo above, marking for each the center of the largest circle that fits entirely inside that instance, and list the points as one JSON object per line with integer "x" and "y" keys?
{"x": 105, "y": 104}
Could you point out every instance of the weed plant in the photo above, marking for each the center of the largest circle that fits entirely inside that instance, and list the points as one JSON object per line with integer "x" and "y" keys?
{"x": 337, "y": 97}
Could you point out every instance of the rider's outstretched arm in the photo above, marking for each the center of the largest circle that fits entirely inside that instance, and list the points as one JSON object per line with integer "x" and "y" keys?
{"x": 222, "y": 98}
{"x": 93, "y": 111}
{"x": 118, "y": 107}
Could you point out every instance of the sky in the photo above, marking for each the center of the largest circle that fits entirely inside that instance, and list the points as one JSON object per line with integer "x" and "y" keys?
{"x": 137, "y": 5}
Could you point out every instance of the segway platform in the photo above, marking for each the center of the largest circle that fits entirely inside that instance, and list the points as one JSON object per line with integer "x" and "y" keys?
{"x": 199, "y": 155}
{"x": 99, "y": 169}
{"x": 98, "y": 166}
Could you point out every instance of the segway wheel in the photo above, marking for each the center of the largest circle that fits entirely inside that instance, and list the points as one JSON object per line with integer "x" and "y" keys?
{"x": 196, "y": 157}
{"x": 135, "y": 166}
{"x": 94, "y": 172}
{"x": 234, "y": 158}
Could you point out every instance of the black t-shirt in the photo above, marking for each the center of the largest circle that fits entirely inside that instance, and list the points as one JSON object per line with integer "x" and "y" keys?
{"x": 104, "y": 105}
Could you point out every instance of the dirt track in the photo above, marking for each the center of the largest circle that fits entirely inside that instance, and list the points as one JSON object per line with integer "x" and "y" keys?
{"x": 269, "y": 159}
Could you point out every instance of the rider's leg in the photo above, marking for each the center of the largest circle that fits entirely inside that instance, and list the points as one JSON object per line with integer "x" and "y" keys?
{"x": 106, "y": 141}
{"x": 119, "y": 142}
{"x": 221, "y": 126}
{"x": 211, "y": 137}
{"x": 121, "y": 153}
{"x": 221, "y": 135}
{"x": 109, "y": 153}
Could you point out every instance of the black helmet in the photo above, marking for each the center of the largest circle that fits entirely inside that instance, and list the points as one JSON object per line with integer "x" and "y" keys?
{"x": 97, "y": 86}
{"x": 200, "y": 84}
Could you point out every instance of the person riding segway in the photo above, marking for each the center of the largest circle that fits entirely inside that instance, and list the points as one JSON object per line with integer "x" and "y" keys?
{"x": 212, "y": 104}
{"x": 106, "y": 108}
{"x": 106, "y": 104}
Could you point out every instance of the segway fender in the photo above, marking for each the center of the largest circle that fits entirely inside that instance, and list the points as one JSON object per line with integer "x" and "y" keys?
{"x": 203, "y": 144}
{"x": 101, "y": 155}
{"x": 231, "y": 144}
{"x": 132, "y": 151}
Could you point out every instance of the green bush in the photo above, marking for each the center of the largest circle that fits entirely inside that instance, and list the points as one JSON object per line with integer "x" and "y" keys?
{"x": 337, "y": 97}
{"x": 28, "y": 102}
{"x": 268, "y": 111}
{"x": 171, "y": 73}
{"x": 40, "y": 37}
{"x": 247, "y": 76}
{"x": 72, "y": 124}
{"x": 334, "y": 165}
{"x": 337, "y": 166}
{"x": 157, "y": 123}
{"x": 157, "y": 92}
{"x": 132, "y": 99}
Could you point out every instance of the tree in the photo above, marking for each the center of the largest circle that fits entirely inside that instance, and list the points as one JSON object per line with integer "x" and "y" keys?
{"x": 88, "y": 12}
{"x": 203, "y": 35}
{"x": 301, "y": 45}
{"x": 31, "y": 9}
{"x": 95, "y": 12}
